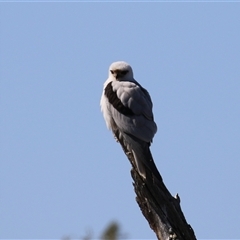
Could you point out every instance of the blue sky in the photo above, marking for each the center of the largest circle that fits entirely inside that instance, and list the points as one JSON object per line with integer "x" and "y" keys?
{"x": 61, "y": 171}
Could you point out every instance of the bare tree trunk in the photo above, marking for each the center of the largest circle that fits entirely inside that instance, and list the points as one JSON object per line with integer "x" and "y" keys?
{"x": 159, "y": 207}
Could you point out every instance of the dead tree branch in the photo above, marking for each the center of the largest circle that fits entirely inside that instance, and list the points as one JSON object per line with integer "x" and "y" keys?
{"x": 159, "y": 207}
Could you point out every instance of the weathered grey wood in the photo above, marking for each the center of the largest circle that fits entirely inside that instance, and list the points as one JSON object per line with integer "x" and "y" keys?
{"x": 159, "y": 207}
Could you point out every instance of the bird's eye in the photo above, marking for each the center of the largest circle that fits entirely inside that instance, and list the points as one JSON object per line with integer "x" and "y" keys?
{"x": 111, "y": 71}
{"x": 124, "y": 72}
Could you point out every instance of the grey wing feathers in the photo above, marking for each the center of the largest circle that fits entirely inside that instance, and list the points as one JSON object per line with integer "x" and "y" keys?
{"x": 140, "y": 124}
{"x": 135, "y": 97}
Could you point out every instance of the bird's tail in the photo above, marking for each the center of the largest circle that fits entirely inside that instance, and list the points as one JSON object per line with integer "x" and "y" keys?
{"x": 142, "y": 155}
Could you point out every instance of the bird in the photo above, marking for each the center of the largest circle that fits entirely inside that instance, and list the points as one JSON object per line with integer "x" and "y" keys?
{"x": 127, "y": 110}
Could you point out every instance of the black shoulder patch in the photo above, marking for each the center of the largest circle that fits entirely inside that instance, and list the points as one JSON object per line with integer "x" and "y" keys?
{"x": 116, "y": 102}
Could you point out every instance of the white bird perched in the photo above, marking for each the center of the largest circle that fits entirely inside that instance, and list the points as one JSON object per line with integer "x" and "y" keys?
{"x": 127, "y": 110}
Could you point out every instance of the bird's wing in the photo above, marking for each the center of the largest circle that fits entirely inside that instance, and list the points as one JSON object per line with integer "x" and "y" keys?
{"x": 130, "y": 107}
{"x": 134, "y": 97}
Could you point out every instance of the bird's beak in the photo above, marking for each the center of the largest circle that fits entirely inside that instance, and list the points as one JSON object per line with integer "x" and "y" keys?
{"x": 116, "y": 75}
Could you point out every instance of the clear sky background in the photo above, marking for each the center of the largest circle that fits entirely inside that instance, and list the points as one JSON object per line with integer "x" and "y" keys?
{"x": 61, "y": 171}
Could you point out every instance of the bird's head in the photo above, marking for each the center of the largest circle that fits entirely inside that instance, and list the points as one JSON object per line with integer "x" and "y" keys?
{"x": 121, "y": 71}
